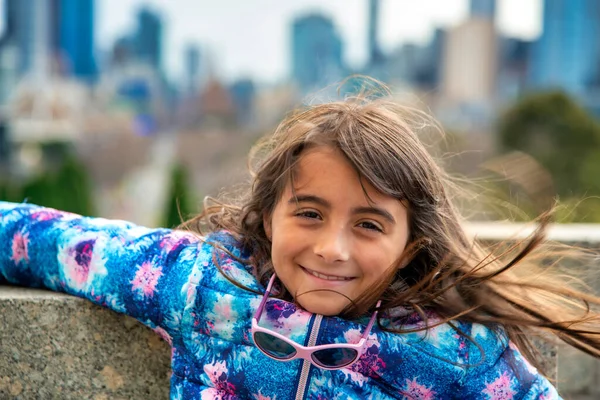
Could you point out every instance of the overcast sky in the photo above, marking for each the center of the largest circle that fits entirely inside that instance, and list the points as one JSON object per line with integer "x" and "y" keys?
{"x": 251, "y": 37}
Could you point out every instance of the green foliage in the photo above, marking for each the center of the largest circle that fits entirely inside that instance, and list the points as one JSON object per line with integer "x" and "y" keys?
{"x": 67, "y": 189}
{"x": 9, "y": 192}
{"x": 180, "y": 204}
{"x": 565, "y": 140}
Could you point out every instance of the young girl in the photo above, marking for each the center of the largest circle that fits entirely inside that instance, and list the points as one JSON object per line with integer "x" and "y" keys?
{"x": 345, "y": 273}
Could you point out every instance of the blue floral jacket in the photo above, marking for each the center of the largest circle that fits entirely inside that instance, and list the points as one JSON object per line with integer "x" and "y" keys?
{"x": 167, "y": 280}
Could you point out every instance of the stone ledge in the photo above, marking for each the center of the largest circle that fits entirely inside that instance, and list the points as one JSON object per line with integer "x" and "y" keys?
{"x": 55, "y": 346}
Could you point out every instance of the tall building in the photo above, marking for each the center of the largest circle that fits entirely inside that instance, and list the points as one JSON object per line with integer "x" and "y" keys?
{"x": 316, "y": 52}
{"x": 470, "y": 63}
{"x": 567, "y": 54}
{"x": 42, "y": 30}
{"x": 243, "y": 93}
{"x": 9, "y": 51}
{"x": 123, "y": 51}
{"x": 75, "y": 42}
{"x": 11, "y": 15}
{"x": 429, "y": 72}
{"x": 375, "y": 54}
{"x": 513, "y": 67}
{"x": 20, "y": 32}
{"x": 192, "y": 68}
{"x": 483, "y": 9}
{"x": 148, "y": 39}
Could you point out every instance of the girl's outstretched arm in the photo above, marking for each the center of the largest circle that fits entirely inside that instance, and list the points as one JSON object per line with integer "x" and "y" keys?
{"x": 144, "y": 273}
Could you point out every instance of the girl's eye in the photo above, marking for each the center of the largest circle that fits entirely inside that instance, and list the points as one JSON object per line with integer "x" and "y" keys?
{"x": 308, "y": 214}
{"x": 370, "y": 226}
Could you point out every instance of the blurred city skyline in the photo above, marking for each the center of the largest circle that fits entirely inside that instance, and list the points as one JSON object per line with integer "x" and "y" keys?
{"x": 229, "y": 31}
{"x": 134, "y": 87}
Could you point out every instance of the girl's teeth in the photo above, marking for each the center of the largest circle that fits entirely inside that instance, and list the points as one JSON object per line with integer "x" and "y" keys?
{"x": 327, "y": 277}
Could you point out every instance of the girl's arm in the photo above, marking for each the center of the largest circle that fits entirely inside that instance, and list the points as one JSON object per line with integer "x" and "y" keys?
{"x": 144, "y": 273}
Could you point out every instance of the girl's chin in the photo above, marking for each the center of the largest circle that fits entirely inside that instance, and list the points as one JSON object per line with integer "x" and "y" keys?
{"x": 324, "y": 306}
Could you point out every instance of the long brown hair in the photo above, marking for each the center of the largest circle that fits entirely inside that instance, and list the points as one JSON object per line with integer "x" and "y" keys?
{"x": 446, "y": 272}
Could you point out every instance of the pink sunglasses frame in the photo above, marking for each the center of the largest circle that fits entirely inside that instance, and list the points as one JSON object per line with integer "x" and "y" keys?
{"x": 305, "y": 352}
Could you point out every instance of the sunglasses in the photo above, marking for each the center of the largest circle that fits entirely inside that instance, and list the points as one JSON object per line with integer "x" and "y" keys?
{"x": 328, "y": 356}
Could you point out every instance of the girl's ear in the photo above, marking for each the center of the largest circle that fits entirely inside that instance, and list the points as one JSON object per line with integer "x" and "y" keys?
{"x": 267, "y": 225}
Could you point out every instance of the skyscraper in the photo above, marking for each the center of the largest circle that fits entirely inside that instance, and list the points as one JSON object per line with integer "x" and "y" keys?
{"x": 375, "y": 55}
{"x": 483, "y": 8}
{"x": 567, "y": 54}
{"x": 20, "y": 17}
{"x": 148, "y": 39}
{"x": 428, "y": 74}
{"x": 76, "y": 38}
{"x": 39, "y": 31}
{"x": 9, "y": 51}
{"x": 469, "y": 66}
{"x": 10, "y": 20}
{"x": 242, "y": 93}
{"x": 192, "y": 68}
{"x": 123, "y": 50}
{"x": 513, "y": 66}
{"x": 316, "y": 52}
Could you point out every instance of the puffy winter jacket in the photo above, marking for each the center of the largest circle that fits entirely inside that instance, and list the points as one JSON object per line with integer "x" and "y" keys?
{"x": 168, "y": 280}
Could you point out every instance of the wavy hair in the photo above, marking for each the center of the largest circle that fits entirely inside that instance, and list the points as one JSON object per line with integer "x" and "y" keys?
{"x": 447, "y": 273}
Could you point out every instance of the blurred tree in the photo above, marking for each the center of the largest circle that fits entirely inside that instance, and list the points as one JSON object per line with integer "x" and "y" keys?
{"x": 74, "y": 181}
{"x": 9, "y": 191}
{"x": 564, "y": 139}
{"x": 67, "y": 188}
{"x": 179, "y": 200}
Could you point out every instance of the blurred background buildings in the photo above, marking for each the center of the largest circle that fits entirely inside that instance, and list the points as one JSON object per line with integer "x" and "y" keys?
{"x": 128, "y": 122}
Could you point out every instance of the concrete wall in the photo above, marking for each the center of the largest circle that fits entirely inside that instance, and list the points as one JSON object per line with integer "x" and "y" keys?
{"x": 54, "y": 346}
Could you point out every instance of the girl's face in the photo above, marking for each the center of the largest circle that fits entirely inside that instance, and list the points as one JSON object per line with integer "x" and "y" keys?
{"x": 330, "y": 235}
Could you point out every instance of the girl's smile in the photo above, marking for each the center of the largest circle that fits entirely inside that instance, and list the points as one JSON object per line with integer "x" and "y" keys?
{"x": 333, "y": 235}
{"x": 326, "y": 277}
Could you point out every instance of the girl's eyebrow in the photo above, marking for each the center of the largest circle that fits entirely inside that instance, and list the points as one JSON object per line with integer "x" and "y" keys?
{"x": 308, "y": 198}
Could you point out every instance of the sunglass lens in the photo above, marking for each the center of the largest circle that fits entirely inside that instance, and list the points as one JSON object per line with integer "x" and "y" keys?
{"x": 274, "y": 346}
{"x": 335, "y": 357}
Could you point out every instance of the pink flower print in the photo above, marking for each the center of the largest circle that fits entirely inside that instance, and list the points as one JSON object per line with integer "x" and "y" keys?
{"x": 146, "y": 278}
{"x": 173, "y": 239}
{"x": 217, "y": 373}
{"x": 168, "y": 243}
{"x": 500, "y": 388}
{"x": 77, "y": 264}
{"x": 223, "y": 310}
{"x": 369, "y": 364}
{"x": 295, "y": 324}
{"x": 191, "y": 290}
{"x": 45, "y": 215}
{"x": 277, "y": 310}
{"x": 415, "y": 391}
{"x": 432, "y": 335}
{"x": 353, "y": 335}
{"x": 163, "y": 334}
{"x": 223, "y": 317}
{"x": 260, "y": 396}
{"x": 20, "y": 244}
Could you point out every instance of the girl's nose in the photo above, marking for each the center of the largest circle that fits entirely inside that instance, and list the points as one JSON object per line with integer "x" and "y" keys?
{"x": 332, "y": 245}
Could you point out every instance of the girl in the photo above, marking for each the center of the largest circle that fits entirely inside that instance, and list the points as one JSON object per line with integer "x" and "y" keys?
{"x": 345, "y": 273}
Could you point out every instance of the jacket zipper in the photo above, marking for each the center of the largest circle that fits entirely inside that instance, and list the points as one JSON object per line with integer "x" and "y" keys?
{"x": 312, "y": 340}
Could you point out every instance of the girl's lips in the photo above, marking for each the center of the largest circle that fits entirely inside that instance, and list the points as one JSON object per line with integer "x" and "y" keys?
{"x": 326, "y": 277}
